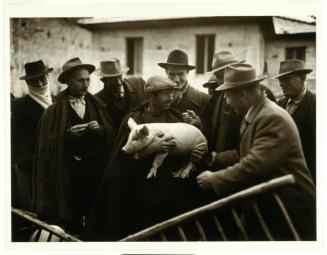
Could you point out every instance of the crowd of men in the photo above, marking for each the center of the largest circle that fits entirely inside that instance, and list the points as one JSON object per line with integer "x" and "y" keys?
{"x": 68, "y": 166}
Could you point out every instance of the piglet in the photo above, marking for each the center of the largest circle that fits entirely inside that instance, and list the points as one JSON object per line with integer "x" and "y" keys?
{"x": 143, "y": 138}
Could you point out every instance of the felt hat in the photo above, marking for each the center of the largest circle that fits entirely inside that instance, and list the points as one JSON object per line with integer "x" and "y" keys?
{"x": 35, "y": 69}
{"x": 239, "y": 75}
{"x": 177, "y": 58}
{"x": 73, "y": 64}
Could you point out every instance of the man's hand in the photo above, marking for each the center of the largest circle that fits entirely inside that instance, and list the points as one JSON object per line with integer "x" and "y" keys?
{"x": 93, "y": 126}
{"x": 164, "y": 144}
{"x": 78, "y": 130}
{"x": 197, "y": 155}
{"x": 190, "y": 117}
{"x": 203, "y": 180}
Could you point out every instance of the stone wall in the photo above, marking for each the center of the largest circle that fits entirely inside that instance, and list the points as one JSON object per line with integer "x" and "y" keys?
{"x": 52, "y": 40}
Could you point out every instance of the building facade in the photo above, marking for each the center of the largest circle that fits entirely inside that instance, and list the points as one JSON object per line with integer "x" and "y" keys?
{"x": 142, "y": 43}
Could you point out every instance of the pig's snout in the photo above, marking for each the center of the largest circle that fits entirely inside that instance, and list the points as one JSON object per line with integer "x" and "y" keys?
{"x": 124, "y": 149}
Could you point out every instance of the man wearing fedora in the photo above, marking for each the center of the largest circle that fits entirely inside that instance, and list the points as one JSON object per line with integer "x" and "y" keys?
{"x": 25, "y": 115}
{"x": 75, "y": 141}
{"x": 300, "y": 103}
{"x": 220, "y": 123}
{"x": 211, "y": 84}
{"x": 186, "y": 97}
{"x": 120, "y": 94}
{"x": 270, "y": 146}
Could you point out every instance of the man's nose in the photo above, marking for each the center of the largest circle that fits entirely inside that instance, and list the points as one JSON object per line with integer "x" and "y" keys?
{"x": 40, "y": 82}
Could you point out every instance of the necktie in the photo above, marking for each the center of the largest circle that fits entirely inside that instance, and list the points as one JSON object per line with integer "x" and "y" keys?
{"x": 291, "y": 107}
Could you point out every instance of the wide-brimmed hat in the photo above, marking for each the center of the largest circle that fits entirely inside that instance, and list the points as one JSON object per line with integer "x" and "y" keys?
{"x": 222, "y": 59}
{"x": 73, "y": 64}
{"x": 238, "y": 75}
{"x": 111, "y": 68}
{"x": 211, "y": 82}
{"x": 292, "y": 66}
{"x": 35, "y": 69}
{"x": 157, "y": 83}
{"x": 177, "y": 58}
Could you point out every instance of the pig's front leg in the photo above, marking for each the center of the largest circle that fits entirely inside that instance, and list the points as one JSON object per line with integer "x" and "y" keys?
{"x": 157, "y": 162}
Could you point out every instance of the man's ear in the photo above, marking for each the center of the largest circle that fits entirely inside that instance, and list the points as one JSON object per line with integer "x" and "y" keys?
{"x": 131, "y": 123}
{"x": 144, "y": 131}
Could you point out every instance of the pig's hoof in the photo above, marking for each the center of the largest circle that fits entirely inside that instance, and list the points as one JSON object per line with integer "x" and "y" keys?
{"x": 185, "y": 174}
{"x": 178, "y": 174}
{"x": 151, "y": 174}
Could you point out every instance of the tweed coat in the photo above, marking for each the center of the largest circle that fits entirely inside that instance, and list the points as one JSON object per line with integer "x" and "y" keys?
{"x": 270, "y": 147}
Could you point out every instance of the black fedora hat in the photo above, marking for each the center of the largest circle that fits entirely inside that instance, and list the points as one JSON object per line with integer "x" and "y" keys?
{"x": 239, "y": 75}
{"x": 111, "y": 68}
{"x": 35, "y": 69}
{"x": 177, "y": 58}
{"x": 292, "y": 66}
{"x": 73, "y": 64}
{"x": 212, "y": 82}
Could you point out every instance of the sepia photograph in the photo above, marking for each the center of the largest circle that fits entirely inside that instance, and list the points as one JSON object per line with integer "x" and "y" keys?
{"x": 162, "y": 128}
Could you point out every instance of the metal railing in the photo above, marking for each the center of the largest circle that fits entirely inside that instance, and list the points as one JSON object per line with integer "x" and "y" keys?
{"x": 180, "y": 224}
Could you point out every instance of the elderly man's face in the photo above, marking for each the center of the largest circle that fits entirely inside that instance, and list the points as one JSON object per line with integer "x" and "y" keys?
{"x": 162, "y": 99}
{"x": 114, "y": 85}
{"x": 78, "y": 82}
{"x": 177, "y": 74}
{"x": 292, "y": 85}
{"x": 38, "y": 81}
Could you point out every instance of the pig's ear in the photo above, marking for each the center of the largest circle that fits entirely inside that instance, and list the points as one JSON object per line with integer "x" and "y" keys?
{"x": 144, "y": 131}
{"x": 131, "y": 123}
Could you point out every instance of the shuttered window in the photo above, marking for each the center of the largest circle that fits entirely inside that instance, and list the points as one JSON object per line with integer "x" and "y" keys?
{"x": 295, "y": 52}
{"x": 134, "y": 54}
{"x": 205, "y": 48}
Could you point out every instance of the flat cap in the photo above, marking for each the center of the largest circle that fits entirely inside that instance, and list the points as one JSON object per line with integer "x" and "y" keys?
{"x": 156, "y": 83}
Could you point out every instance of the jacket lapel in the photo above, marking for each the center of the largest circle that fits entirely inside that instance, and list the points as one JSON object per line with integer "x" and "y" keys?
{"x": 254, "y": 112}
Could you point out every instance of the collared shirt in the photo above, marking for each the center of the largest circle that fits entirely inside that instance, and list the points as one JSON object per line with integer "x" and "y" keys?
{"x": 78, "y": 104}
{"x": 292, "y": 105}
{"x": 180, "y": 93}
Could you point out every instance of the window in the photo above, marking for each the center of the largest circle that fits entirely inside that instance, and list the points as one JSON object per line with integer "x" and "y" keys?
{"x": 134, "y": 53}
{"x": 205, "y": 48}
{"x": 295, "y": 52}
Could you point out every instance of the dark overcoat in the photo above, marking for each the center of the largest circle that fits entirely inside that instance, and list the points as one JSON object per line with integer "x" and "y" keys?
{"x": 134, "y": 96}
{"x": 194, "y": 100}
{"x": 25, "y": 116}
{"x": 128, "y": 202}
{"x": 305, "y": 119}
{"x": 52, "y": 183}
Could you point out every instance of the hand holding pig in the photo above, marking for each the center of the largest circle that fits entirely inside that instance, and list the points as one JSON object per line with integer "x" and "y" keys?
{"x": 163, "y": 139}
{"x": 203, "y": 180}
{"x": 197, "y": 154}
